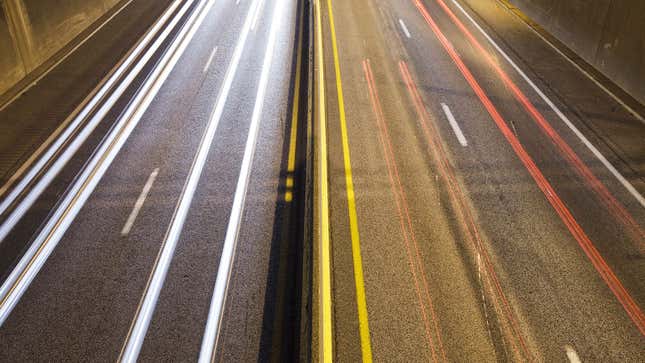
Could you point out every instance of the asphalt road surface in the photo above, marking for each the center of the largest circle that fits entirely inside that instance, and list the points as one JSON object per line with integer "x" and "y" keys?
{"x": 468, "y": 220}
{"x": 476, "y": 197}
{"x": 202, "y": 173}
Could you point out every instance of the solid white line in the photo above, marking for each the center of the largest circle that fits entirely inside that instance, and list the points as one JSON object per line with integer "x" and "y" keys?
{"x": 454, "y": 125}
{"x": 32, "y": 261}
{"x": 572, "y": 354}
{"x": 210, "y": 59}
{"x": 58, "y": 142}
{"x": 256, "y": 16}
{"x": 137, "y": 206}
{"x": 141, "y": 321}
{"x": 218, "y": 300}
{"x": 405, "y": 28}
{"x": 630, "y": 188}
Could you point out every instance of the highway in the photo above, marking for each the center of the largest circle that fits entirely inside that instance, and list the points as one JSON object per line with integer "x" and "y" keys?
{"x": 183, "y": 198}
{"x": 469, "y": 219}
{"x": 321, "y": 180}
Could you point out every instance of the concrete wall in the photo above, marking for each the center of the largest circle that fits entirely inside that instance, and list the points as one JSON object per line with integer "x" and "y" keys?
{"x": 32, "y": 31}
{"x": 608, "y": 34}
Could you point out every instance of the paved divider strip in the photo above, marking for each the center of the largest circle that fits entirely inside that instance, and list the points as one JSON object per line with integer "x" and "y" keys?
{"x": 220, "y": 290}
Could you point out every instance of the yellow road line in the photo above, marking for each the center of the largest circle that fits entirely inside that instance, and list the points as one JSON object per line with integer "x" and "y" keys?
{"x": 325, "y": 338}
{"x": 291, "y": 162}
{"x": 361, "y": 303}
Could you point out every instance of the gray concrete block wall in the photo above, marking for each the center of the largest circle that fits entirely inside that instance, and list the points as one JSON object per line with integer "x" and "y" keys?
{"x": 608, "y": 34}
{"x": 32, "y": 31}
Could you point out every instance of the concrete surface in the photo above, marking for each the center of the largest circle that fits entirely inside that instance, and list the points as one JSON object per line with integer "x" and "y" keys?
{"x": 32, "y": 31}
{"x": 29, "y": 120}
{"x": 608, "y": 34}
{"x": 11, "y": 66}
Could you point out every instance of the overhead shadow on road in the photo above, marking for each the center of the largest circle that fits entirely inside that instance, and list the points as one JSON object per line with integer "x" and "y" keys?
{"x": 282, "y": 339}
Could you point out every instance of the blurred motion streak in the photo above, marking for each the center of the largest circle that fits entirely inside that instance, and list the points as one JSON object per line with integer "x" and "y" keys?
{"x": 630, "y": 306}
{"x": 416, "y": 265}
{"x": 462, "y": 209}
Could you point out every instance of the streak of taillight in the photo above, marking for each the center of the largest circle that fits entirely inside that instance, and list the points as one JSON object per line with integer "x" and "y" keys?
{"x": 614, "y": 206}
{"x": 403, "y": 208}
{"x": 630, "y": 306}
{"x": 458, "y": 198}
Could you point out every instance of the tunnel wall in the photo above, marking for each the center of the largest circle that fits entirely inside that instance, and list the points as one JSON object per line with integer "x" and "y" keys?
{"x": 33, "y": 31}
{"x": 608, "y": 34}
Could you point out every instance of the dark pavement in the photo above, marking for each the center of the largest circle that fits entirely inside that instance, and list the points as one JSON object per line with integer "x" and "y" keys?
{"x": 474, "y": 249}
{"x": 83, "y": 301}
{"x": 485, "y": 196}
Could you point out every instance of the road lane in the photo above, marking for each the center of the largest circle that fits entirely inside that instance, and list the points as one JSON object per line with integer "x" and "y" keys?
{"x": 147, "y": 306}
{"x": 258, "y": 317}
{"x": 357, "y": 259}
{"x": 395, "y": 309}
{"x": 575, "y": 163}
{"x": 521, "y": 269}
{"x": 614, "y": 215}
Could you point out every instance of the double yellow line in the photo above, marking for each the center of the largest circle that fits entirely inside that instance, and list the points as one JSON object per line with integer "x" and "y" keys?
{"x": 326, "y": 338}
